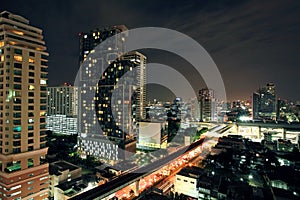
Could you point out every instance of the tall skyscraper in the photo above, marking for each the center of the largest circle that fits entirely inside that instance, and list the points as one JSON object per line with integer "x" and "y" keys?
{"x": 194, "y": 108}
{"x": 255, "y": 105}
{"x": 207, "y": 105}
{"x": 23, "y": 95}
{"x": 138, "y": 61}
{"x": 118, "y": 101}
{"x": 62, "y": 100}
{"x": 264, "y": 103}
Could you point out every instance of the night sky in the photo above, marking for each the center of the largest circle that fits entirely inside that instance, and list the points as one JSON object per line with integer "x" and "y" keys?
{"x": 251, "y": 42}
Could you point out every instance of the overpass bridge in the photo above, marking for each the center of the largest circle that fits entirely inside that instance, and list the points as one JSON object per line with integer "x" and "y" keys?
{"x": 284, "y": 125}
{"x": 256, "y": 129}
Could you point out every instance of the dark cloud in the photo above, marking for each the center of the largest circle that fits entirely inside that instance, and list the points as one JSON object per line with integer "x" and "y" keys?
{"x": 252, "y": 42}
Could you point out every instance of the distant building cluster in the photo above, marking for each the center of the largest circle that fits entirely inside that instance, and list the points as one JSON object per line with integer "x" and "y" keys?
{"x": 240, "y": 169}
{"x": 177, "y": 118}
{"x": 265, "y": 106}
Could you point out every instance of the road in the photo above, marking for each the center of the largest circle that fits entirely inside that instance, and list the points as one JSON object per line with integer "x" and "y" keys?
{"x": 127, "y": 179}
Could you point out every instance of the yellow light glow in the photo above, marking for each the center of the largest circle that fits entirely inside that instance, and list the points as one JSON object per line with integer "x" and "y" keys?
{"x": 18, "y": 58}
{"x": 31, "y": 87}
{"x": 17, "y": 32}
{"x": 1, "y": 44}
{"x": 31, "y": 60}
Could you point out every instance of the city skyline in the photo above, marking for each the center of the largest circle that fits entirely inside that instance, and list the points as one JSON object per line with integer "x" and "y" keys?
{"x": 252, "y": 43}
{"x": 100, "y": 139}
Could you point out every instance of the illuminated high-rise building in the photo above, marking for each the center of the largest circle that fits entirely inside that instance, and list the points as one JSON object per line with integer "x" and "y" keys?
{"x": 62, "y": 109}
{"x": 207, "y": 104}
{"x": 119, "y": 99}
{"x": 264, "y": 103}
{"x": 23, "y": 95}
{"x": 62, "y": 100}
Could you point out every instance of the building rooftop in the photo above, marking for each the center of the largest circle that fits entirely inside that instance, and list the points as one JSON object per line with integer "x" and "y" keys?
{"x": 191, "y": 171}
{"x": 154, "y": 196}
{"x": 17, "y": 18}
{"x": 108, "y": 28}
{"x": 73, "y": 187}
{"x": 60, "y": 166}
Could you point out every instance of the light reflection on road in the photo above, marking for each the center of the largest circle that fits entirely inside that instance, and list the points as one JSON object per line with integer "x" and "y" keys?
{"x": 166, "y": 172}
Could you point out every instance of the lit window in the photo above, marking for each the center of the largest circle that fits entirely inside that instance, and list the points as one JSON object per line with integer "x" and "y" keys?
{"x": 45, "y": 177}
{"x": 17, "y": 32}
{"x": 16, "y": 193}
{"x": 43, "y": 82}
{"x": 43, "y": 113}
{"x": 31, "y": 60}
{"x": 31, "y": 87}
{"x": 18, "y": 58}
{"x": 15, "y": 187}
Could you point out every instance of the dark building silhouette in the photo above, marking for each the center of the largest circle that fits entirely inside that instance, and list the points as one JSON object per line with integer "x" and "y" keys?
{"x": 264, "y": 103}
